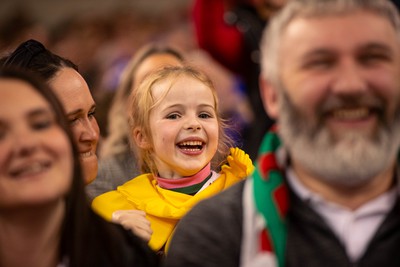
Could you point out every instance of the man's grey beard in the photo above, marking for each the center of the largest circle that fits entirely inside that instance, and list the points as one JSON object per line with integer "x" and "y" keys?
{"x": 353, "y": 160}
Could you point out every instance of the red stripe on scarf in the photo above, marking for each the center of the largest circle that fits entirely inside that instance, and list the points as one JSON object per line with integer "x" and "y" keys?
{"x": 265, "y": 241}
{"x": 267, "y": 163}
{"x": 281, "y": 200}
{"x": 274, "y": 129}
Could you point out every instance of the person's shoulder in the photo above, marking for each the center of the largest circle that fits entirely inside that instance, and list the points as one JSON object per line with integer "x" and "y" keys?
{"x": 114, "y": 166}
{"x": 132, "y": 250}
{"x": 231, "y": 194}
{"x": 214, "y": 227}
{"x": 230, "y": 199}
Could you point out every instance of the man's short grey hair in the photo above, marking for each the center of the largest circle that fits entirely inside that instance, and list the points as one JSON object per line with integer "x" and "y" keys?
{"x": 271, "y": 40}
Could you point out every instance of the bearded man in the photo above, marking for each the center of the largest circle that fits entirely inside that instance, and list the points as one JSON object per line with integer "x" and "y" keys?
{"x": 326, "y": 188}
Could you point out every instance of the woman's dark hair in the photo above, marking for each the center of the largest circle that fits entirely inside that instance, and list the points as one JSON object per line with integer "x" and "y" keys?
{"x": 33, "y": 56}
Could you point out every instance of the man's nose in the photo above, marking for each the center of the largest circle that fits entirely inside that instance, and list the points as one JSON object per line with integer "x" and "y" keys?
{"x": 349, "y": 79}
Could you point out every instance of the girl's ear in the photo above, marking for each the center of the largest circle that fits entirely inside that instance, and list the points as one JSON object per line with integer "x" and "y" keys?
{"x": 270, "y": 98}
{"x": 141, "y": 139}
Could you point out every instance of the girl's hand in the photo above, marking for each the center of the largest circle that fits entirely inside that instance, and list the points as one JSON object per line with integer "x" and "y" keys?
{"x": 134, "y": 220}
{"x": 240, "y": 162}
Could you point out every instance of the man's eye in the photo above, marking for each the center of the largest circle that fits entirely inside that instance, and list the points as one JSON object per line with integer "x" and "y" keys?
{"x": 319, "y": 64}
{"x": 374, "y": 58}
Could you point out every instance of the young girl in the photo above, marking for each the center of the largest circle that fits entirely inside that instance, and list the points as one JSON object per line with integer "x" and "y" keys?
{"x": 178, "y": 134}
{"x": 117, "y": 163}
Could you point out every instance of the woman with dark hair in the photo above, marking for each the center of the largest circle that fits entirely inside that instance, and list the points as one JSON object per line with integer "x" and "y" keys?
{"x": 45, "y": 219}
{"x": 72, "y": 90}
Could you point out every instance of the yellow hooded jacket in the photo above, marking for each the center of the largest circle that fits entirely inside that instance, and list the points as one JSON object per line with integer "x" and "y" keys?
{"x": 164, "y": 207}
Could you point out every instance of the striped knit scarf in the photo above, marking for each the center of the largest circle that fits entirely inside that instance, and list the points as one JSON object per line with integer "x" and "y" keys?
{"x": 271, "y": 197}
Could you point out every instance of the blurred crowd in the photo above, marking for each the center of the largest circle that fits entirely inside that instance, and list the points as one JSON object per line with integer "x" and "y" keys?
{"x": 221, "y": 37}
{"x": 100, "y": 43}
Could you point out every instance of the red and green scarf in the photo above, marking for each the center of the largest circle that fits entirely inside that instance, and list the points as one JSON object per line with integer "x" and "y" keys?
{"x": 271, "y": 199}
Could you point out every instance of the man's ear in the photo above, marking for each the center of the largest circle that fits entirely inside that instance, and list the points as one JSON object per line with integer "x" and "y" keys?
{"x": 270, "y": 98}
{"x": 140, "y": 138}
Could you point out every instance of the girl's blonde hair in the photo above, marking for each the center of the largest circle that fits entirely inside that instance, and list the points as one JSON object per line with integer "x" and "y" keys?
{"x": 141, "y": 102}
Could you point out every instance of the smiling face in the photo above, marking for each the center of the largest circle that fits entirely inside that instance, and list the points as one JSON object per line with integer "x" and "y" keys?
{"x": 338, "y": 101}
{"x": 35, "y": 154}
{"x": 184, "y": 127}
{"x": 79, "y": 105}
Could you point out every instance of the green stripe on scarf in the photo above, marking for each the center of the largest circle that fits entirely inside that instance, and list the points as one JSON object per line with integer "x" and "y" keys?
{"x": 268, "y": 182}
{"x": 192, "y": 189}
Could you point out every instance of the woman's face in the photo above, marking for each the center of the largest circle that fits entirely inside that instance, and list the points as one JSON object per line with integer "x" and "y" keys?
{"x": 36, "y": 162}
{"x": 74, "y": 94}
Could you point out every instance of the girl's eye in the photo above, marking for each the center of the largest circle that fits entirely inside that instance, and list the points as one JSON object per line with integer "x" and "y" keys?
{"x": 205, "y": 115}
{"x": 173, "y": 116}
